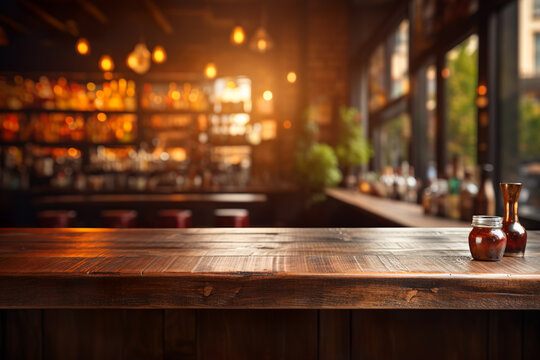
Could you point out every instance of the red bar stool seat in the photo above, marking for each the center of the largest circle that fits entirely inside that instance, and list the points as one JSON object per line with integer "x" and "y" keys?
{"x": 119, "y": 218}
{"x": 56, "y": 218}
{"x": 231, "y": 217}
{"x": 173, "y": 218}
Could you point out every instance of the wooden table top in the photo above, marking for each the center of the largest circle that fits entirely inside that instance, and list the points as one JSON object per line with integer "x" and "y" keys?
{"x": 399, "y": 213}
{"x": 260, "y": 268}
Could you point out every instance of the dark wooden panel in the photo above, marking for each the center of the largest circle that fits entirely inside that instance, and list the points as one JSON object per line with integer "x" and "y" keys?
{"x": 180, "y": 333}
{"x": 142, "y": 334}
{"x": 505, "y": 335}
{"x": 334, "y": 334}
{"x": 22, "y": 337}
{"x": 531, "y": 335}
{"x": 400, "y": 334}
{"x": 82, "y": 334}
{"x": 253, "y": 334}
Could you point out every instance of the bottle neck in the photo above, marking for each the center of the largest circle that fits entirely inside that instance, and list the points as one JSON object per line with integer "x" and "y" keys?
{"x": 511, "y": 211}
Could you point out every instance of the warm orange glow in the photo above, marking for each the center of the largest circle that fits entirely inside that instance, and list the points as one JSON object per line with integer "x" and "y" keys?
{"x": 178, "y": 154}
{"x": 210, "y": 71}
{"x": 291, "y": 77}
{"x": 102, "y": 117}
{"x": 132, "y": 61}
{"x": 108, "y": 75}
{"x": 91, "y": 86}
{"x": 82, "y": 46}
{"x": 128, "y": 126}
{"x": 267, "y": 95}
{"x": 175, "y": 95}
{"x": 74, "y": 153}
{"x": 445, "y": 73}
{"x": 106, "y": 63}
{"x": 482, "y": 90}
{"x": 262, "y": 45}
{"x": 69, "y": 120}
{"x": 237, "y": 36}
{"x": 287, "y": 124}
{"x": 159, "y": 55}
{"x": 482, "y": 101}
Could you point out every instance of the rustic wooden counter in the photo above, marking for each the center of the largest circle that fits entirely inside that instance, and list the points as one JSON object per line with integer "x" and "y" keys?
{"x": 405, "y": 268}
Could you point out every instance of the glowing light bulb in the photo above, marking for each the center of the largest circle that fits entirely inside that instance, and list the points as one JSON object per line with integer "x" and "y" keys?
{"x": 159, "y": 55}
{"x": 210, "y": 71}
{"x": 132, "y": 61}
{"x": 267, "y": 95}
{"x": 482, "y": 90}
{"x": 82, "y": 46}
{"x": 238, "y": 36}
{"x": 106, "y": 63}
{"x": 291, "y": 77}
{"x": 261, "y": 45}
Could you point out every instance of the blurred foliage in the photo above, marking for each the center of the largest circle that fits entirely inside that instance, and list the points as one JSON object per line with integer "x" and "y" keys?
{"x": 352, "y": 147}
{"x": 316, "y": 163}
{"x": 462, "y": 62}
{"x": 529, "y": 129}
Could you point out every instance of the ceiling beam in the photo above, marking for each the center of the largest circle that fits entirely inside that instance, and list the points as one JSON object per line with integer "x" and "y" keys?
{"x": 93, "y": 10}
{"x": 49, "y": 19}
{"x": 14, "y": 24}
{"x": 159, "y": 16}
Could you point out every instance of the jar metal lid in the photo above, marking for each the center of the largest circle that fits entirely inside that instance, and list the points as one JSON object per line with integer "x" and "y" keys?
{"x": 487, "y": 221}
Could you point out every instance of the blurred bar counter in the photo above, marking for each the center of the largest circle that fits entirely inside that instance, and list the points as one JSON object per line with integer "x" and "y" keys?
{"x": 388, "y": 212}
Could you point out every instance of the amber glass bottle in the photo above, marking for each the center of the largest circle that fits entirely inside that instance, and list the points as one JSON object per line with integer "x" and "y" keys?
{"x": 515, "y": 232}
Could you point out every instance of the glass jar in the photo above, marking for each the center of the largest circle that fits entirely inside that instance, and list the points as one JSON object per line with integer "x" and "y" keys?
{"x": 487, "y": 240}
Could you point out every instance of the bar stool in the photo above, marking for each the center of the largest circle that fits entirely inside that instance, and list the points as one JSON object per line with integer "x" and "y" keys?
{"x": 173, "y": 218}
{"x": 119, "y": 218}
{"x": 56, "y": 218}
{"x": 231, "y": 217}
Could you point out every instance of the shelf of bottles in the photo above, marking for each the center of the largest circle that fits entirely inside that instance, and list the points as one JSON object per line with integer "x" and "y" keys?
{"x": 116, "y": 135}
{"x": 458, "y": 194}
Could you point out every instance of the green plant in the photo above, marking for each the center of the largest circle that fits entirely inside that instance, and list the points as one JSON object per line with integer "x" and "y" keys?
{"x": 316, "y": 163}
{"x": 352, "y": 148}
{"x": 317, "y": 167}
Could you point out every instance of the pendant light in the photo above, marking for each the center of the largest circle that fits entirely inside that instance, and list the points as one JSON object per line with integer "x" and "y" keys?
{"x": 139, "y": 59}
{"x": 261, "y": 41}
{"x": 238, "y": 36}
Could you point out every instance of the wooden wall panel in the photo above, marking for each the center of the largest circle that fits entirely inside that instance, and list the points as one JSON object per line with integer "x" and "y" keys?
{"x": 531, "y": 335}
{"x": 269, "y": 334}
{"x": 21, "y": 336}
{"x": 334, "y": 334}
{"x": 253, "y": 334}
{"x": 180, "y": 339}
{"x": 82, "y": 334}
{"x": 142, "y": 334}
{"x": 505, "y": 335}
{"x": 395, "y": 334}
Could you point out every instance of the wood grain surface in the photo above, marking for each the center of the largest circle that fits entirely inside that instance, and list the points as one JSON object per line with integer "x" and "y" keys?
{"x": 405, "y": 268}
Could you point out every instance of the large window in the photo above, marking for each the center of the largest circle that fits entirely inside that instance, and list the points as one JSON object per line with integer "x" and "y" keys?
{"x": 399, "y": 61}
{"x": 519, "y": 102}
{"x": 461, "y": 80}
{"x": 394, "y": 138}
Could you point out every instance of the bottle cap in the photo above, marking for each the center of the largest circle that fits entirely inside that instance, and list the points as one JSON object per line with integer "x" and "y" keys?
{"x": 487, "y": 221}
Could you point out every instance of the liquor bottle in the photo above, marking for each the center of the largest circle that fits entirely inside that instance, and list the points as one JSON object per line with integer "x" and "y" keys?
{"x": 515, "y": 232}
{"x": 485, "y": 200}
{"x": 454, "y": 184}
{"x": 467, "y": 194}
